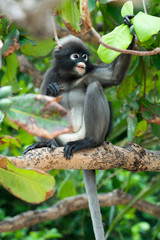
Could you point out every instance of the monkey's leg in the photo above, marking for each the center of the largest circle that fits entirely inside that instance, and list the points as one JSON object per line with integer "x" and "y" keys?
{"x": 91, "y": 190}
{"x": 97, "y": 121}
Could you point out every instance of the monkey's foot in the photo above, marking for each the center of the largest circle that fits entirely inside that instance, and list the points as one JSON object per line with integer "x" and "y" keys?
{"x": 71, "y": 147}
{"x": 51, "y": 144}
{"x": 127, "y": 20}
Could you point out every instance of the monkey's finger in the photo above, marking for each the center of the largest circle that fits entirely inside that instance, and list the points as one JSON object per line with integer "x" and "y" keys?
{"x": 67, "y": 151}
{"x": 52, "y": 89}
{"x": 57, "y": 87}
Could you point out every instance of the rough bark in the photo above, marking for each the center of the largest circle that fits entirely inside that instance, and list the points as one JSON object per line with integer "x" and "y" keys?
{"x": 72, "y": 204}
{"x": 132, "y": 158}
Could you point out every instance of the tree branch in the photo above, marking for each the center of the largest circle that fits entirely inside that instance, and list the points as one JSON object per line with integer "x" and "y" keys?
{"x": 133, "y": 52}
{"x": 72, "y": 204}
{"x": 132, "y": 158}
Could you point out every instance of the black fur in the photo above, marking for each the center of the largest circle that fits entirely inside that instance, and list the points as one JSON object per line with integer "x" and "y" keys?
{"x": 86, "y": 99}
{"x": 83, "y": 97}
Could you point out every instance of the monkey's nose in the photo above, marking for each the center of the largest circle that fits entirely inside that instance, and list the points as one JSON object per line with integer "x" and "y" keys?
{"x": 81, "y": 65}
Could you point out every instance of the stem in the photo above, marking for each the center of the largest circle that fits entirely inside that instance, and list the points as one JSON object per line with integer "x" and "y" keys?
{"x": 144, "y": 6}
{"x": 133, "y": 52}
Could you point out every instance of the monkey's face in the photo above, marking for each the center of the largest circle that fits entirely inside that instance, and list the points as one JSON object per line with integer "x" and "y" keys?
{"x": 72, "y": 61}
{"x": 79, "y": 63}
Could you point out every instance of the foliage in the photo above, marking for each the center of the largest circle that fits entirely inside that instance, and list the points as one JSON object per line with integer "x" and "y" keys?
{"x": 30, "y": 185}
{"x": 135, "y": 118}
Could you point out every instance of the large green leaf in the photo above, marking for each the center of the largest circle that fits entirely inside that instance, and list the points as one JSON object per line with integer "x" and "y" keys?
{"x": 71, "y": 15}
{"x": 127, "y": 9}
{"x": 41, "y": 49}
{"x": 145, "y": 26}
{"x": 120, "y": 38}
{"x": 39, "y": 115}
{"x": 10, "y": 76}
{"x": 29, "y": 185}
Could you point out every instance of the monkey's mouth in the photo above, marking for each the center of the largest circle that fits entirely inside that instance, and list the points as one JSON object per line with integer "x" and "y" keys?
{"x": 80, "y": 68}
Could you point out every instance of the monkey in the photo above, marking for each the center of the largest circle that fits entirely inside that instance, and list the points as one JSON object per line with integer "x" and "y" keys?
{"x": 81, "y": 83}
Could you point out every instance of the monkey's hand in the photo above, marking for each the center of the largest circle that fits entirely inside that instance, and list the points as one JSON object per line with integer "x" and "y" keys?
{"x": 53, "y": 89}
{"x": 127, "y": 20}
{"x": 51, "y": 144}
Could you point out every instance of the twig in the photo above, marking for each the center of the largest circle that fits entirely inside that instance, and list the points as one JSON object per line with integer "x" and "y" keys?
{"x": 133, "y": 52}
{"x": 55, "y": 33}
{"x": 144, "y": 6}
{"x": 72, "y": 204}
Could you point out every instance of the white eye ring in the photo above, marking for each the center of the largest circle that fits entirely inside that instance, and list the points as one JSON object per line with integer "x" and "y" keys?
{"x": 74, "y": 56}
{"x": 85, "y": 57}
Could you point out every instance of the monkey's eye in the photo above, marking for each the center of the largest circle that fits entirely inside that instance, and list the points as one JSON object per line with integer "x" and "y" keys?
{"x": 85, "y": 57}
{"x": 74, "y": 56}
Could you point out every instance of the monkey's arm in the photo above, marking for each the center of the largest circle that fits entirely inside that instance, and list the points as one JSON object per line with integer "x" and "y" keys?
{"x": 111, "y": 74}
{"x": 49, "y": 86}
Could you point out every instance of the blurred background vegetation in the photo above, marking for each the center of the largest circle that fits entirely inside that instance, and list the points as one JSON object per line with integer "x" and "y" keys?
{"x": 142, "y": 80}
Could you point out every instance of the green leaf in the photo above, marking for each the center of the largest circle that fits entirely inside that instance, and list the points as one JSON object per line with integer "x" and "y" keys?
{"x": 133, "y": 66}
{"x": 10, "y": 76}
{"x": 42, "y": 48}
{"x": 127, "y": 87}
{"x": 127, "y": 9}
{"x": 32, "y": 186}
{"x": 67, "y": 189}
{"x": 10, "y": 140}
{"x": 5, "y": 91}
{"x": 120, "y": 38}
{"x": 39, "y": 115}
{"x": 145, "y": 26}
{"x": 91, "y": 4}
{"x": 5, "y": 104}
{"x": 141, "y": 128}
{"x": 11, "y": 42}
{"x": 10, "y": 123}
{"x": 132, "y": 122}
{"x": 71, "y": 15}
{"x": 23, "y": 40}
{"x": 149, "y": 83}
{"x": 156, "y": 61}
{"x": 103, "y": 1}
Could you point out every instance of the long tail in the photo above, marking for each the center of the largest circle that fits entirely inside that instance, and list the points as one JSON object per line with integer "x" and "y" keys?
{"x": 91, "y": 190}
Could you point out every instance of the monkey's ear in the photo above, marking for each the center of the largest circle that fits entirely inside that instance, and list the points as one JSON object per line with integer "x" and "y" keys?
{"x": 58, "y": 53}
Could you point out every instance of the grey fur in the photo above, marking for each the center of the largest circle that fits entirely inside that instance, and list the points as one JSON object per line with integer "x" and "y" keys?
{"x": 84, "y": 99}
{"x": 91, "y": 190}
